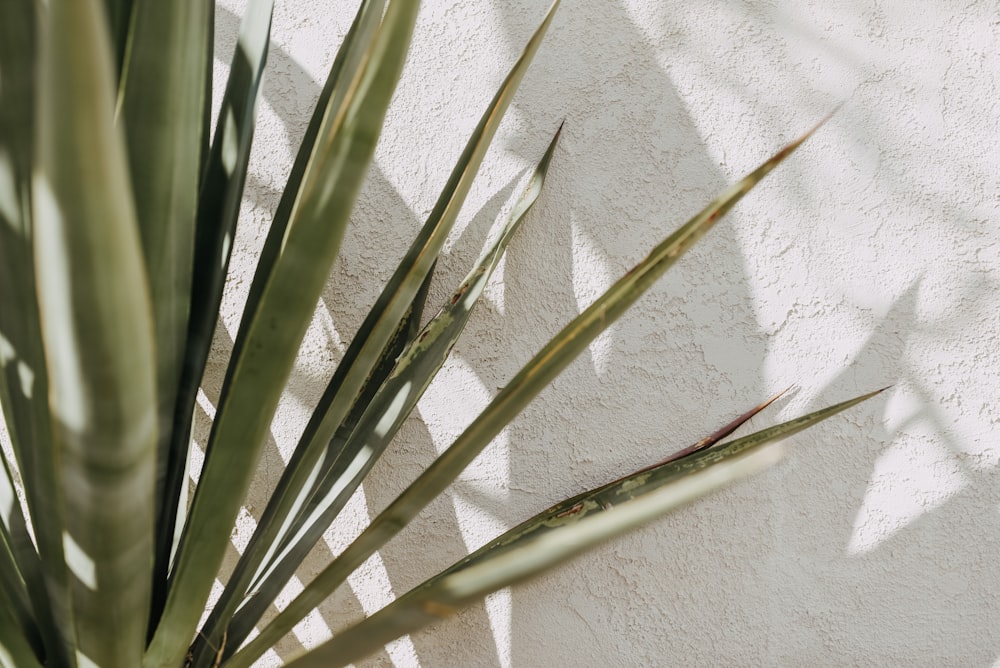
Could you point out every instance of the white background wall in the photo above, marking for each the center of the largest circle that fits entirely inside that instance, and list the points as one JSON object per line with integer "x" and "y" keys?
{"x": 870, "y": 259}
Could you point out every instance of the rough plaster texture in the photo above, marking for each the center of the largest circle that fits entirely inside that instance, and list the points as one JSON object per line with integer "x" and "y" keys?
{"x": 869, "y": 259}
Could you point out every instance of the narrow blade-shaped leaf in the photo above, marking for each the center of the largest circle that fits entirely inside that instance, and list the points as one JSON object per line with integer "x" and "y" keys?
{"x": 420, "y": 362}
{"x": 533, "y": 377}
{"x": 219, "y": 200}
{"x": 385, "y": 317}
{"x": 161, "y": 105}
{"x": 211, "y": 281}
{"x": 386, "y": 412}
{"x": 14, "y": 645}
{"x": 266, "y": 348}
{"x": 16, "y": 548}
{"x": 447, "y": 595}
{"x": 721, "y": 433}
{"x": 335, "y": 90}
{"x": 646, "y": 480}
{"x": 257, "y": 554}
{"x": 97, "y": 332}
{"x": 119, "y": 14}
{"x": 23, "y": 378}
{"x": 524, "y": 550}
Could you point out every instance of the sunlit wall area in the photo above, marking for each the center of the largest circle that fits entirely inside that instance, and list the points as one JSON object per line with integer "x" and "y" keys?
{"x": 869, "y": 259}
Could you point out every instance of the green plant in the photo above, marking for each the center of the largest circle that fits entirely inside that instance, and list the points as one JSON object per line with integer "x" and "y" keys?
{"x": 117, "y": 224}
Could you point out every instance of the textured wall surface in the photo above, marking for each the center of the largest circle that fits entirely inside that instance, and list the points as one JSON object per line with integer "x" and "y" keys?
{"x": 869, "y": 259}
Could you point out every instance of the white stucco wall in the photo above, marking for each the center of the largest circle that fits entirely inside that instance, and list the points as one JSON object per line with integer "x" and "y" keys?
{"x": 870, "y": 259}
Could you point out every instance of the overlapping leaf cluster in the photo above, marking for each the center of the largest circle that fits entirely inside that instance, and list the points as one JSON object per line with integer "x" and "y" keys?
{"x": 119, "y": 207}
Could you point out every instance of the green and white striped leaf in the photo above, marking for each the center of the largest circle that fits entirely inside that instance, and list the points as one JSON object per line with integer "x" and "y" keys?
{"x": 365, "y": 24}
{"x": 221, "y": 192}
{"x": 16, "y": 548}
{"x": 383, "y": 321}
{"x": 15, "y": 649}
{"x": 700, "y": 456}
{"x": 161, "y": 106}
{"x": 538, "y": 373}
{"x": 447, "y": 595}
{"x": 266, "y": 347}
{"x": 386, "y": 412}
{"x": 98, "y": 337}
{"x": 23, "y": 382}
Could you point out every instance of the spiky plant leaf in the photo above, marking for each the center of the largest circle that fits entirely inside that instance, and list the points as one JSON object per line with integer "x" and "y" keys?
{"x": 98, "y": 337}
{"x": 218, "y": 239}
{"x": 533, "y": 377}
{"x": 385, "y": 413}
{"x": 557, "y": 534}
{"x": 16, "y": 549}
{"x": 379, "y": 327}
{"x": 446, "y": 596}
{"x": 119, "y": 15}
{"x": 525, "y": 550}
{"x": 220, "y": 192}
{"x": 700, "y": 456}
{"x": 161, "y": 106}
{"x": 269, "y": 337}
{"x": 23, "y": 376}
{"x": 15, "y": 647}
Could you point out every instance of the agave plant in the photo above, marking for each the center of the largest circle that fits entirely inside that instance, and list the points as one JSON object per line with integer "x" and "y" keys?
{"x": 119, "y": 207}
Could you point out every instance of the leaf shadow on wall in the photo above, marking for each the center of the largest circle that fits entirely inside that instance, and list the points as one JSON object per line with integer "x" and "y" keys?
{"x": 381, "y": 214}
{"x": 606, "y": 415}
{"x": 901, "y": 573}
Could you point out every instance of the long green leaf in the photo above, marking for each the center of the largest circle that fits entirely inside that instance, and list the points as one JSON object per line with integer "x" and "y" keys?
{"x": 23, "y": 376}
{"x": 98, "y": 337}
{"x": 16, "y": 548}
{"x": 119, "y": 15}
{"x": 447, "y": 595}
{"x": 15, "y": 649}
{"x": 417, "y": 366}
{"x": 253, "y": 557}
{"x": 337, "y": 85}
{"x": 336, "y": 89}
{"x": 524, "y": 551}
{"x": 391, "y": 306}
{"x": 387, "y": 411}
{"x": 381, "y": 325}
{"x": 161, "y": 104}
{"x": 266, "y": 349}
{"x": 539, "y": 372}
{"x": 700, "y": 456}
{"x": 219, "y": 201}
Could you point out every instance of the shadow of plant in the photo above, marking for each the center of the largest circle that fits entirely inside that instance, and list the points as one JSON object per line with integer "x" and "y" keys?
{"x": 686, "y": 360}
